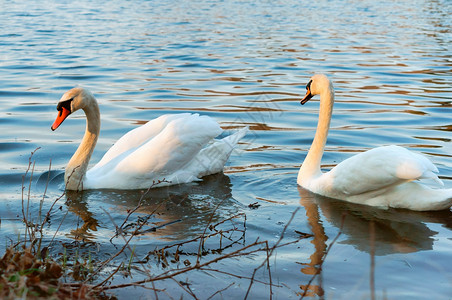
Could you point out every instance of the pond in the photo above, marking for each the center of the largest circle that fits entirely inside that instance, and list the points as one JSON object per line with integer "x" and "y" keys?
{"x": 244, "y": 63}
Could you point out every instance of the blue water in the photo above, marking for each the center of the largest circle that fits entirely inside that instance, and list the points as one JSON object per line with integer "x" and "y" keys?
{"x": 243, "y": 63}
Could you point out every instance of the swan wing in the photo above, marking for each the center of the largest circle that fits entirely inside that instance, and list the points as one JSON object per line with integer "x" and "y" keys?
{"x": 379, "y": 168}
{"x": 162, "y": 157}
{"x": 138, "y": 136}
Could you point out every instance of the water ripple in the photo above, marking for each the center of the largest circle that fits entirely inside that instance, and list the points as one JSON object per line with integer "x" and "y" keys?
{"x": 243, "y": 63}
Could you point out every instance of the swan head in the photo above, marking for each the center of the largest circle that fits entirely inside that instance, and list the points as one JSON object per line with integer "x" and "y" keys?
{"x": 318, "y": 84}
{"x": 73, "y": 100}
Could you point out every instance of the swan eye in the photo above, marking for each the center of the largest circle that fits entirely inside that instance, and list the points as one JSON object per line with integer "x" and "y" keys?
{"x": 66, "y": 104}
{"x": 308, "y": 86}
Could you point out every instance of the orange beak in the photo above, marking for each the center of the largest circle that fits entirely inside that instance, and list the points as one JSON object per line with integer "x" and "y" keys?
{"x": 62, "y": 115}
{"x": 307, "y": 97}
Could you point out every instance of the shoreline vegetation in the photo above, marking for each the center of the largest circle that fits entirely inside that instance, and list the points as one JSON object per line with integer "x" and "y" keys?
{"x": 30, "y": 268}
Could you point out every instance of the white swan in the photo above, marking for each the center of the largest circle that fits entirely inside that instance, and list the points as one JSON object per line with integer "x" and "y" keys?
{"x": 179, "y": 148}
{"x": 383, "y": 176}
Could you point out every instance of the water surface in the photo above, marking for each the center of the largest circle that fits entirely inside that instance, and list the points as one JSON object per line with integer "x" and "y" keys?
{"x": 244, "y": 64}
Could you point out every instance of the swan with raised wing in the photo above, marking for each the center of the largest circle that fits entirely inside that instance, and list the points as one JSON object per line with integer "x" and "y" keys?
{"x": 172, "y": 149}
{"x": 389, "y": 176}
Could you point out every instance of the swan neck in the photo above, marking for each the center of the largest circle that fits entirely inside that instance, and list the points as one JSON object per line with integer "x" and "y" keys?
{"x": 311, "y": 165}
{"x": 78, "y": 165}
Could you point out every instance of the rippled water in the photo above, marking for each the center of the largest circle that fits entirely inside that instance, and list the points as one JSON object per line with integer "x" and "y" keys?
{"x": 243, "y": 63}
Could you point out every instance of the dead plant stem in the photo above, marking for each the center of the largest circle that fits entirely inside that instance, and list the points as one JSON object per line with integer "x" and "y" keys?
{"x": 269, "y": 254}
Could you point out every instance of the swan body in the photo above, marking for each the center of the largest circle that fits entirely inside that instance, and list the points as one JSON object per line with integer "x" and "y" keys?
{"x": 171, "y": 149}
{"x": 389, "y": 176}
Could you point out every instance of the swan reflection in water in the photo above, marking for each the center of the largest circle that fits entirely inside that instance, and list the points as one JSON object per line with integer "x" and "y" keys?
{"x": 179, "y": 212}
{"x": 394, "y": 231}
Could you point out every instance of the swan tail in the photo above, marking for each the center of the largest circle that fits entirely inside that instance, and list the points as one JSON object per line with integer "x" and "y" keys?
{"x": 417, "y": 196}
{"x": 212, "y": 159}
{"x": 234, "y": 138}
{"x": 445, "y": 203}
